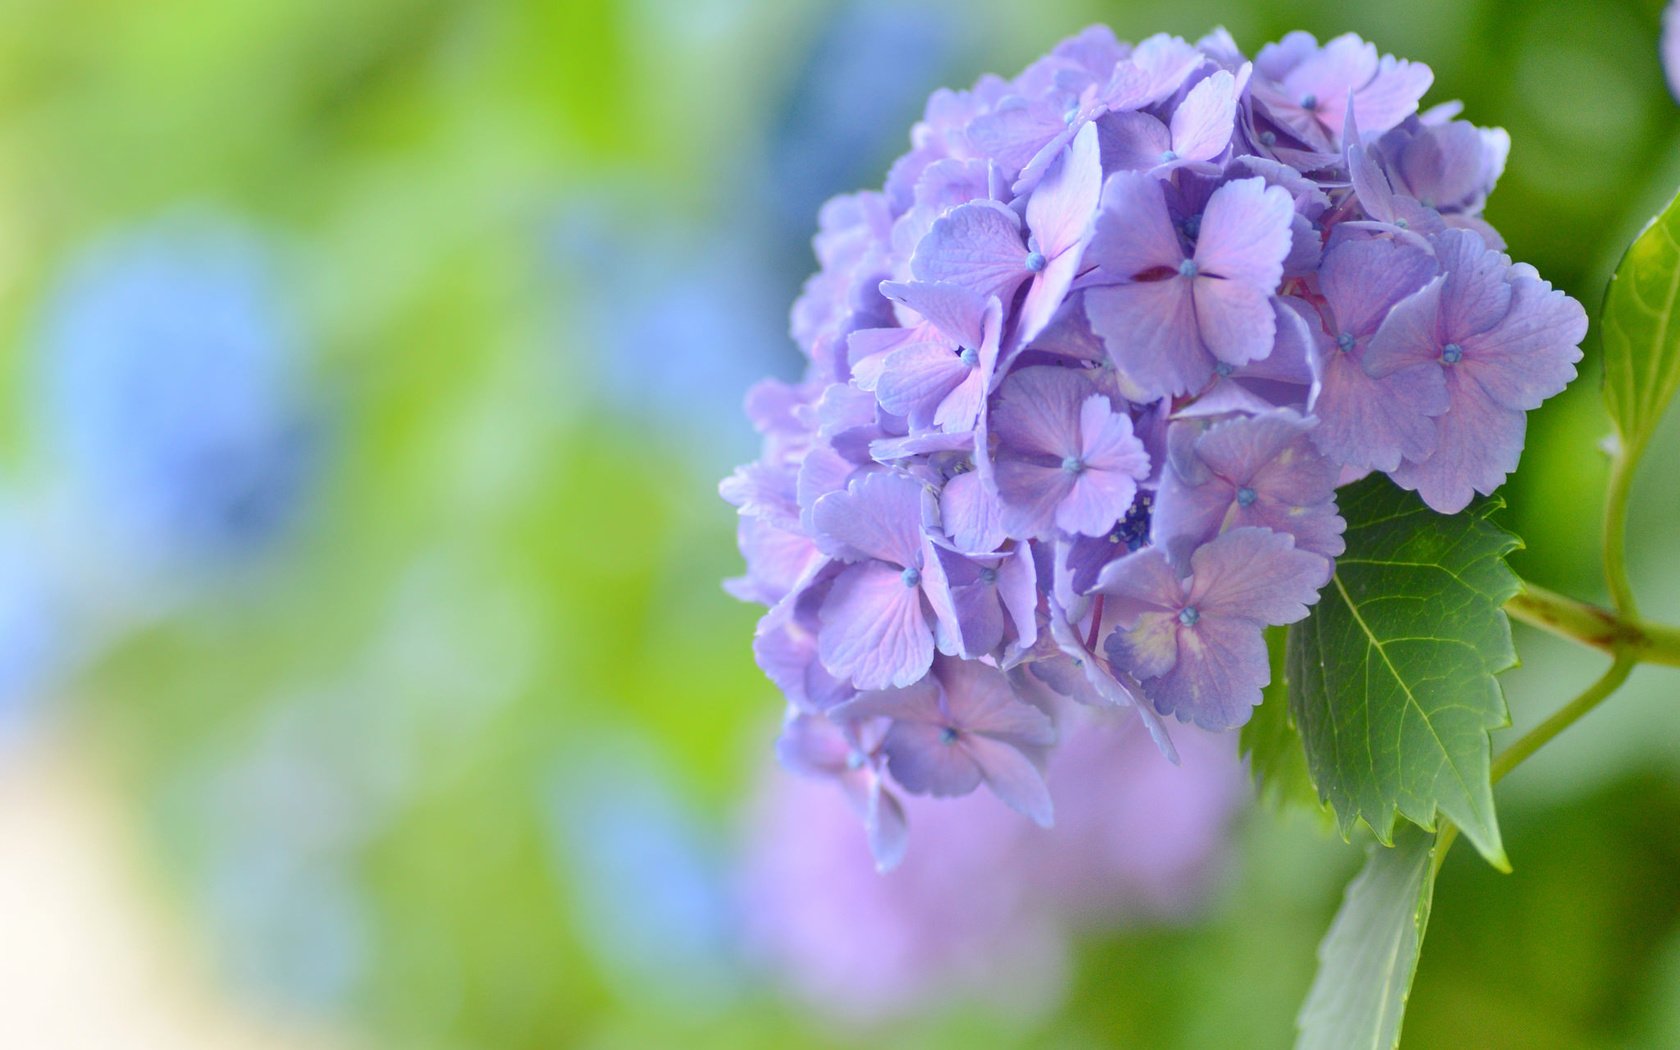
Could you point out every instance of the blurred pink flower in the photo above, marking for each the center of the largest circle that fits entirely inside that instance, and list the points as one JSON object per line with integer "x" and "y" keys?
{"x": 985, "y": 904}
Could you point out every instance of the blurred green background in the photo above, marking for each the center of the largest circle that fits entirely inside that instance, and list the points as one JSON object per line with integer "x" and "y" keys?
{"x": 534, "y": 254}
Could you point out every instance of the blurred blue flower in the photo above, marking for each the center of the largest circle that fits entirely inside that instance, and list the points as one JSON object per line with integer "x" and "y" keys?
{"x": 652, "y": 901}
{"x": 862, "y": 80}
{"x": 169, "y": 397}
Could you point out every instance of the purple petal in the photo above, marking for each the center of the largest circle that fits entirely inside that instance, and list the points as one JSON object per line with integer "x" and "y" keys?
{"x": 1531, "y": 354}
{"x": 1012, "y": 778}
{"x": 916, "y": 380}
{"x": 976, "y": 246}
{"x": 957, "y": 312}
{"x": 1134, "y": 233}
{"x": 1113, "y": 463}
{"x": 1362, "y": 280}
{"x": 1255, "y": 574}
{"x": 917, "y": 702}
{"x": 1133, "y": 141}
{"x": 878, "y": 516}
{"x": 1366, "y": 422}
{"x": 971, "y": 514}
{"x": 980, "y": 700}
{"x": 1030, "y": 493}
{"x": 1148, "y": 647}
{"x": 1018, "y": 588}
{"x": 1141, "y": 582}
{"x": 1245, "y": 234}
{"x": 1202, "y": 123}
{"x": 1479, "y": 443}
{"x": 928, "y": 760}
{"x": 1217, "y": 681}
{"x": 1236, "y": 319}
{"x": 1060, "y": 210}
{"x": 1477, "y": 295}
{"x": 874, "y": 631}
{"x": 1150, "y": 329}
{"x": 1037, "y": 412}
{"x": 884, "y": 823}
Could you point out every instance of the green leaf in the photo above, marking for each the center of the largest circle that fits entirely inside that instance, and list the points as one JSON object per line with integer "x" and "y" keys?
{"x": 1367, "y": 960}
{"x": 1392, "y": 676}
{"x": 1276, "y": 758}
{"x": 1640, "y": 330}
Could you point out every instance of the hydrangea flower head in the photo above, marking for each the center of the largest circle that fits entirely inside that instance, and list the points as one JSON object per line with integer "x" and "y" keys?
{"x": 1083, "y": 378}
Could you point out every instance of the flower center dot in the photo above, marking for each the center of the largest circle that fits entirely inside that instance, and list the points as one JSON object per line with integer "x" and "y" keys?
{"x": 988, "y": 575}
{"x": 1345, "y": 341}
{"x": 1035, "y": 261}
{"x": 1309, "y": 102}
{"x": 854, "y": 760}
{"x": 1400, "y": 224}
{"x": 911, "y": 577}
{"x": 1073, "y": 464}
{"x": 1224, "y": 368}
{"x": 1452, "y": 353}
{"x": 1193, "y": 227}
{"x": 1168, "y": 157}
{"x": 1189, "y": 616}
{"x": 1268, "y": 138}
{"x": 1246, "y": 497}
{"x": 1187, "y": 268}
{"x": 969, "y": 355}
{"x": 947, "y": 735}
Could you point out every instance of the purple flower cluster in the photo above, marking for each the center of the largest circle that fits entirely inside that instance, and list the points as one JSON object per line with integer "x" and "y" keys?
{"x": 1083, "y": 379}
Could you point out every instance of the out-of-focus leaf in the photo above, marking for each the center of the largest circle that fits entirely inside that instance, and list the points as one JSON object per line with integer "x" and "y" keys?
{"x": 1367, "y": 960}
{"x": 1271, "y": 742}
{"x": 1641, "y": 331}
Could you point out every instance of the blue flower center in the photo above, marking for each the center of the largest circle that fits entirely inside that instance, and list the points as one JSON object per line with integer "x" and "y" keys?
{"x": 854, "y": 760}
{"x": 1223, "y": 368}
{"x": 1168, "y": 157}
{"x": 1400, "y": 224}
{"x": 988, "y": 576}
{"x": 1187, "y": 268}
{"x": 1188, "y": 616}
{"x": 911, "y": 577}
{"x": 969, "y": 355}
{"x": 947, "y": 735}
{"x": 1268, "y": 138}
{"x": 1452, "y": 353}
{"x": 1068, "y": 117}
{"x": 1073, "y": 464}
{"x": 1035, "y": 261}
{"x": 1193, "y": 227}
{"x": 1309, "y": 101}
{"x": 1246, "y": 497}
{"x": 1345, "y": 341}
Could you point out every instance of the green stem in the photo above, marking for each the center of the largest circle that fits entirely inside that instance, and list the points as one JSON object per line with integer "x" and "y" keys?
{"x": 1619, "y": 634}
{"x": 1615, "y": 531}
{"x": 1563, "y": 718}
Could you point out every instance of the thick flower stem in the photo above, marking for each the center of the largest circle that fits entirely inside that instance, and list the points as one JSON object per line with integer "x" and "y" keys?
{"x": 1621, "y": 635}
